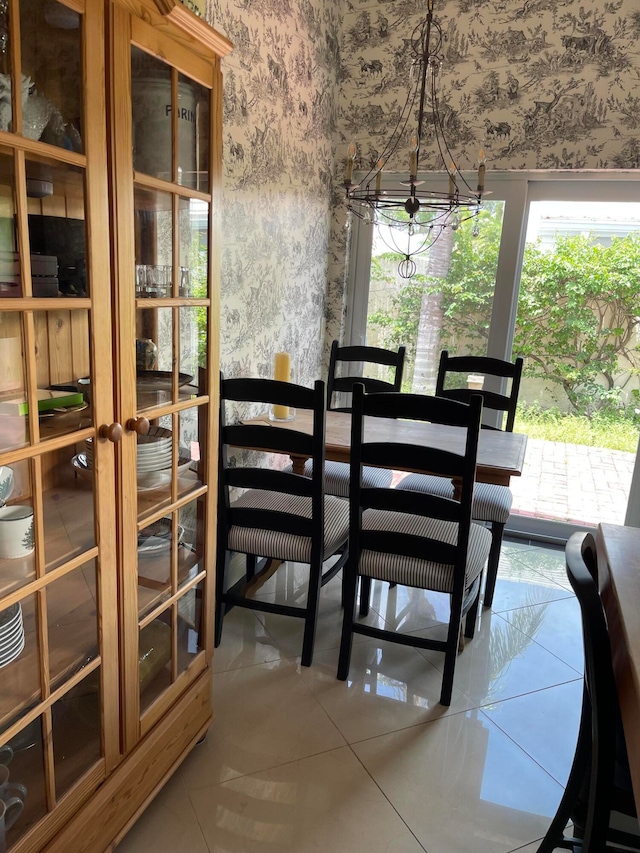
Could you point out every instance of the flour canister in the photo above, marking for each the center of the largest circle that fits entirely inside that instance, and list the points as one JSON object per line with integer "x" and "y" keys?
{"x": 151, "y": 100}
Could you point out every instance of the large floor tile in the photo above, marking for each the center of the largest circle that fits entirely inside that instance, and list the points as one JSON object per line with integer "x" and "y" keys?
{"x": 263, "y": 716}
{"x": 244, "y": 642}
{"x": 324, "y": 803}
{"x": 550, "y": 563}
{"x": 167, "y": 825}
{"x": 501, "y": 661}
{"x": 389, "y": 687}
{"x": 408, "y": 609}
{"x": 556, "y": 626}
{"x": 460, "y": 783}
{"x": 526, "y": 721}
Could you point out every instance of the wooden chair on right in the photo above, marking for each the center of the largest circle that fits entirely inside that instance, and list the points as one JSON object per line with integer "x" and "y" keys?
{"x": 599, "y": 784}
{"x": 491, "y": 503}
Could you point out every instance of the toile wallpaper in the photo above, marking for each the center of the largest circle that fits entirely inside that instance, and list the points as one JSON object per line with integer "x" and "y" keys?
{"x": 547, "y": 84}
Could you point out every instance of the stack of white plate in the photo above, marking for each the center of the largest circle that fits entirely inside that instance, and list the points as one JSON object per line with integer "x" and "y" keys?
{"x": 11, "y": 634}
{"x": 154, "y": 458}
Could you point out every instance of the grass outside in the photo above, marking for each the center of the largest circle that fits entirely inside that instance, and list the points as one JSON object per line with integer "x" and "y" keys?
{"x": 610, "y": 431}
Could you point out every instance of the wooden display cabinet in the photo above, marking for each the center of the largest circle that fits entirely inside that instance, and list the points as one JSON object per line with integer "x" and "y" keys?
{"x": 110, "y": 167}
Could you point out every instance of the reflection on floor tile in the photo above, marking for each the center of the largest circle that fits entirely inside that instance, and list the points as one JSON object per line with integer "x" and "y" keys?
{"x": 389, "y": 687}
{"x": 168, "y": 825}
{"x": 327, "y": 802}
{"x": 556, "y": 626}
{"x": 502, "y": 661}
{"x": 526, "y": 721}
{"x": 264, "y": 716}
{"x": 299, "y": 761}
{"x": 460, "y": 783}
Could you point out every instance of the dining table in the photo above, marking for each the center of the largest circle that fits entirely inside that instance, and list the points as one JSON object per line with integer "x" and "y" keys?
{"x": 618, "y": 551}
{"x": 500, "y": 454}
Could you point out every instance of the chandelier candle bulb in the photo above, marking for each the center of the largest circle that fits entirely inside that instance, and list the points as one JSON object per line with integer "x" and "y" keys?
{"x": 282, "y": 373}
{"x": 351, "y": 155}
{"x": 413, "y": 151}
{"x": 481, "y": 169}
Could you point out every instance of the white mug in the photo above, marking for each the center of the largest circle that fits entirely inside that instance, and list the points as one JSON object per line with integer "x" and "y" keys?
{"x": 10, "y": 811}
{"x": 16, "y": 531}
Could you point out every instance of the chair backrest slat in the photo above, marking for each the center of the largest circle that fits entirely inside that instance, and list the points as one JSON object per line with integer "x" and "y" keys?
{"x": 269, "y": 480}
{"x": 362, "y": 355}
{"x": 409, "y": 457}
{"x": 266, "y": 519}
{"x": 412, "y": 503}
{"x": 261, "y": 437}
{"x": 408, "y": 546}
{"x": 484, "y": 366}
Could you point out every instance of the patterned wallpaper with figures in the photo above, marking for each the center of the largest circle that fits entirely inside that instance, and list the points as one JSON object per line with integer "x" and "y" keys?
{"x": 547, "y": 84}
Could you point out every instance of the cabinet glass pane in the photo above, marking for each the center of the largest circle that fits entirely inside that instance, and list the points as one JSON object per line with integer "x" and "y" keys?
{"x": 62, "y": 367}
{"x": 17, "y": 529}
{"x": 9, "y": 258}
{"x": 193, "y": 224}
{"x": 190, "y": 639}
{"x": 154, "y": 356}
{"x": 151, "y": 107}
{"x": 154, "y": 659}
{"x": 19, "y": 661}
{"x": 194, "y": 128}
{"x": 57, "y": 233}
{"x": 68, "y": 504}
{"x": 154, "y": 564}
{"x": 72, "y": 623}
{"x": 25, "y": 777}
{"x": 153, "y": 244}
{"x": 191, "y": 522}
{"x": 192, "y": 345}
{"x": 5, "y": 60}
{"x": 192, "y": 432}
{"x": 14, "y": 424}
{"x": 76, "y": 732}
{"x": 51, "y": 45}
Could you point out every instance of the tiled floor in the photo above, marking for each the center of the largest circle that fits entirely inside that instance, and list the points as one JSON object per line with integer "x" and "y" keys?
{"x": 298, "y": 762}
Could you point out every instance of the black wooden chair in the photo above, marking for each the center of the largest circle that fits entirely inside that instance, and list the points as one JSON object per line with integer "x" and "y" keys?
{"x": 337, "y": 473}
{"x": 414, "y": 539}
{"x": 282, "y": 516}
{"x": 491, "y": 503}
{"x": 599, "y": 783}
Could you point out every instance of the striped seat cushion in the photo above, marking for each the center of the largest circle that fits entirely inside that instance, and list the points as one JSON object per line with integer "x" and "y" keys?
{"x": 336, "y": 477}
{"x": 411, "y": 571}
{"x": 288, "y": 546}
{"x": 490, "y": 502}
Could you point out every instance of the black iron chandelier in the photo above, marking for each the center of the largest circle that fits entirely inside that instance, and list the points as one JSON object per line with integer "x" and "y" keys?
{"x": 417, "y": 222}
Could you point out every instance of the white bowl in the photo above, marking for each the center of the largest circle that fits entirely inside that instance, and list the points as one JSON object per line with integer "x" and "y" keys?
{"x": 6, "y": 647}
{"x": 16, "y": 653}
{"x": 10, "y": 616}
{"x": 16, "y": 531}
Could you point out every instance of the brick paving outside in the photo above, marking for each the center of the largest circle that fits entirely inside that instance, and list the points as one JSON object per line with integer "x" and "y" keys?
{"x": 573, "y": 482}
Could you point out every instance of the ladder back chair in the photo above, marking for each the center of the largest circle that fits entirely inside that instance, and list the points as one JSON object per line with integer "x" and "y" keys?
{"x": 281, "y": 516}
{"x": 337, "y": 473}
{"x": 492, "y": 503}
{"x": 415, "y": 539}
{"x": 599, "y": 782}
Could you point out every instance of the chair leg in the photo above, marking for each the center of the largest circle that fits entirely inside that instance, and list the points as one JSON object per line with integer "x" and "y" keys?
{"x": 224, "y": 557}
{"x": 365, "y": 595}
{"x": 472, "y": 616}
{"x": 492, "y": 565}
{"x": 451, "y": 653}
{"x": 348, "y": 617}
{"x": 251, "y": 566}
{"x": 311, "y": 618}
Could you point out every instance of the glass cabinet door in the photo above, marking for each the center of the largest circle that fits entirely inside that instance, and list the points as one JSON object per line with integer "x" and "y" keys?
{"x": 166, "y": 297}
{"x": 58, "y": 625}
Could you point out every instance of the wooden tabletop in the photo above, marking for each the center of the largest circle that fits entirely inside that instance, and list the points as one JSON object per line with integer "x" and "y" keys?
{"x": 500, "y": 454}
{"x": 619, "y": 574}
